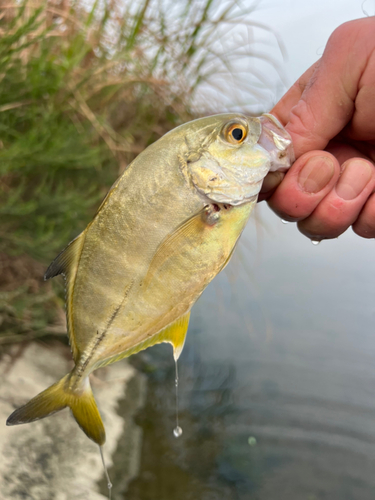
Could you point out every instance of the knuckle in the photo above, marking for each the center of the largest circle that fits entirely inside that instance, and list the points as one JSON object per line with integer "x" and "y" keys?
{"x": 344, "y": 34}
{"x": 303, "y": 127}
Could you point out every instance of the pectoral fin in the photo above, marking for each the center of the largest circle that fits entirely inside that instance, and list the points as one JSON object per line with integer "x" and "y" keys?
{"x": 173, "y": 243}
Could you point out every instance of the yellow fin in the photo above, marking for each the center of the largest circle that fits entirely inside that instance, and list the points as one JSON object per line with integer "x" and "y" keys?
{"x": 59, "y": 396}
{"x": 170, "y": 246}
{"x": 175, "y": 334}
{"x": 66, "y": 263}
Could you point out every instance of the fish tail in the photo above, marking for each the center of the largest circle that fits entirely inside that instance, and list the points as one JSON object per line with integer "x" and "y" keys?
{"x": 57, "y": 397}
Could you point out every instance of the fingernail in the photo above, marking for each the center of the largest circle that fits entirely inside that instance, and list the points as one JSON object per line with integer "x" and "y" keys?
{"x": 271, "y": 181}
{"x": 353, "y": 179}
{"x": 316, "y": 174}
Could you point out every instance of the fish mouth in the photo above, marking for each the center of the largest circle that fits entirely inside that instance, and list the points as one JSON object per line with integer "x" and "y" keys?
{"x": 277, "y": 142}
{"x": 235, "y": 180}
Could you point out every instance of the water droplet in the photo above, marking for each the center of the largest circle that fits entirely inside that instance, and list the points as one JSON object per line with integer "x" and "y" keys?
{"x": 109, "y": 484}
{"x": 252, "y": 441}
{"x": 177, "y": 431}
{"x": 284, "y": 221}
{"x": 315, "y": 242}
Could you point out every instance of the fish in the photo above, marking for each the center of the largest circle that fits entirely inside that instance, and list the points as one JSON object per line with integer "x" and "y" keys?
{"x": 167, "y": 227}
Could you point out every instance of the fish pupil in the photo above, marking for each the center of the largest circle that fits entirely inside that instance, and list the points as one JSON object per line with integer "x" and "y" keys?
{"x": 237, "y": 134}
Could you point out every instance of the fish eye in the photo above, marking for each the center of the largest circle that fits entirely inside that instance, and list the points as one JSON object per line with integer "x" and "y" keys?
{"x": 235, "y": 133}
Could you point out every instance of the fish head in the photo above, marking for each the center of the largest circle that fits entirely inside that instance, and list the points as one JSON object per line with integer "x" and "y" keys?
{"x": 229, "y": 155}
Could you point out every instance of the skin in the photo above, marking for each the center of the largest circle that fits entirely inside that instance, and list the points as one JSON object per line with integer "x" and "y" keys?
{"x": 329, "y": 113}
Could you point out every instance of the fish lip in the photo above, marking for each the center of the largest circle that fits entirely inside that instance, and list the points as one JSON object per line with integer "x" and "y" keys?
{"x": 277, "y": 142}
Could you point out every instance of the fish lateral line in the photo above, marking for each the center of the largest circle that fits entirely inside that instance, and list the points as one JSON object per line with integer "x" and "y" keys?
{"x": 85, "y": 359}
{"x": 79, "y": 370}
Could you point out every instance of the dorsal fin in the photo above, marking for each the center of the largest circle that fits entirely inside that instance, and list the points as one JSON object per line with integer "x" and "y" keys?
{"x": 66, "y": 263}
{"x": 174, "y": 334}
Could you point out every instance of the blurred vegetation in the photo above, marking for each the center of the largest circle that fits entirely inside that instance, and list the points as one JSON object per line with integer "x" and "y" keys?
{"x": 83, "y": 89}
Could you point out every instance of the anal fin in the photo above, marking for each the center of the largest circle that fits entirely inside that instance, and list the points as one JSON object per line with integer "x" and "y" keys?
{"x": 174, "y": 334}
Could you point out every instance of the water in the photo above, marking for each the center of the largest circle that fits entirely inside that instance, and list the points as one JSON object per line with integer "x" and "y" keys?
{"x": 278, "y": 371}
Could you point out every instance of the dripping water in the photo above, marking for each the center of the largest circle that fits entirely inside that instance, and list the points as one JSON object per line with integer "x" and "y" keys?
{"x": 284, "y": 221}
{"x": 177, "y": 431}
{"x": 315, "y": 242}
{"x": 109, "y": 484}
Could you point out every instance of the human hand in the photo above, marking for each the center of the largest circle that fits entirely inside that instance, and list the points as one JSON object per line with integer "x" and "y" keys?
{"x": 330, "y": 114}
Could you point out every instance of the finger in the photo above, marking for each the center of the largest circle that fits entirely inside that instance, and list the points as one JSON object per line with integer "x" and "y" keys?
{"x": 291, "y": 98}
{"x": 343, "y": 151}
{"x": 342, "y": 206}
{"x": 365, "y": 149}
{"x": 340, "y": 150}
{"x": 362, "y": 126}
{"x": 327, "y": 103}
{"x": 270, "y": 183}
{"x": 305, "y": 185}
{"x": 365, "y": 224}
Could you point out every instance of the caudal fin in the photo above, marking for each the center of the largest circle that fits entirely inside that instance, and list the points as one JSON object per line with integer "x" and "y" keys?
{"x": 59, "y": 396}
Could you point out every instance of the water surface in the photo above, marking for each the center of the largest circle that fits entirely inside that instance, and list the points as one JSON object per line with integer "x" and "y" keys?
{"x": 277, "y": 378}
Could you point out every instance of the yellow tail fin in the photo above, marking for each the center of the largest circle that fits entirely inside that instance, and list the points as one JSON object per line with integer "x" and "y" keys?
{"x": 59, "y": 396}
